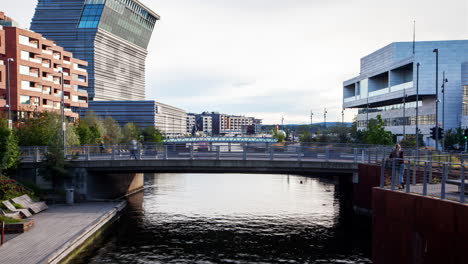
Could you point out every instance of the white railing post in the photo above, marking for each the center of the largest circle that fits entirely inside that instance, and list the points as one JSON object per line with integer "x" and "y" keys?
{"x": 37, "y": 156}
{"x": 217, "y": 152}
{"x": 392, "y": 187}
{"x": 408, "y": 176}
{"x": 272, "y": 150}
{"x": 166, "y": 149}
{"x": 382, "y": 174}
{"x": 299, "y": 153}
{"x": 363, "y": 156}
{"x": 245, "y": 153}
{"x": 88, "y": 154}
{"x": 113, "y": 152}
{"x": 462, "y": 183}
{"x": 424, "y": 192}
{"x": 355, "y": 155}
{"x": 444, "y": 179}
{"x": 191, "y": 151}
{"x": 327, "y": 154}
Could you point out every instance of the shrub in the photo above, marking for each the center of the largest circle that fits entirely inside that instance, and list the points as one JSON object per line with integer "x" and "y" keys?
{"x": 10, "y": 189}
{"x": 8, "y": 220}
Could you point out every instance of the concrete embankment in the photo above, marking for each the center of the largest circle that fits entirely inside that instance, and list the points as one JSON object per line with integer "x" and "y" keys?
{"x": 59, "y": 232}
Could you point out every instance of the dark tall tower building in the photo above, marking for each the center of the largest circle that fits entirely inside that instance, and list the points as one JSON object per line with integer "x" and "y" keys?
{"x": 111, "y": 35}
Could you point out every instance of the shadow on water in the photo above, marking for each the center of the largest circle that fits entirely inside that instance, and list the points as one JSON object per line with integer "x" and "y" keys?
{"x": 189, "y": 218}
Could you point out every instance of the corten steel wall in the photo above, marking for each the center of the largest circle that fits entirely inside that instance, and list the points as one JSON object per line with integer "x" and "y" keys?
{"x": 409, "y": 228}
{"x": 43, "y": 60}
{"x": 2, "y": 67}
{"x": 369, "y": 177}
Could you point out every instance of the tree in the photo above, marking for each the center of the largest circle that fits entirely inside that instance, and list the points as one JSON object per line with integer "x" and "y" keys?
{"x": 306, "y": 137}
{"x": 279, "y": 135}
{"x": 84, "y": 133}
{"x": 357, "y": 135}
{"x": 341, "y": 133}
{"x": 54, "y": 166}
{"x": 9, "y": 149}
{"x": 39, "y": 130}
{"x": 152, "y": 134}
{"x": 71, "y": 136}
{"x": 454, "y": 139}
{"x": 130, "y": 131}
{"x": 376, "y": 134}
{"x": 113, "y": 131}
{"x": 95, "y": 125}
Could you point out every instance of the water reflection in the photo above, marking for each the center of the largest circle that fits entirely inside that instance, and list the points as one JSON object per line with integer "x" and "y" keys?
{"x": 237, "y": 218}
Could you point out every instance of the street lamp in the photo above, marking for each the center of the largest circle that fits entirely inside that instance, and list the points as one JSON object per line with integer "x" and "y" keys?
{"x": 10, "y": 122}
{"x": 63, "y": 114}
{"x": 436, "y": 51}
{"x": 444, "y": 80}
{"x": 325, "y": 117}
{"x": 417, "y": 108}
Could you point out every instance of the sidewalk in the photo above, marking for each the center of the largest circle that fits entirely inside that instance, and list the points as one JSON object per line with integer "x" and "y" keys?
{"x": 57, "y": 232}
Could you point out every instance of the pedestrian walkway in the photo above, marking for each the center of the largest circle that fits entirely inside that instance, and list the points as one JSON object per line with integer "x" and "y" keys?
{"x": 57, "y": 232}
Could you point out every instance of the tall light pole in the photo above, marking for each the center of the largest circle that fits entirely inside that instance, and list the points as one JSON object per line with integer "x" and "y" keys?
{"x": 444, "y": 80}
{"x": 417, "y": 108}
{"x": 63, "y": 114}
{"x": 404, "y": 113}
{"x": 10, "y": 121}
{"x": 325, "y": 117}
{"x": 436, "y": 51}
{"x": 342, "y": 117}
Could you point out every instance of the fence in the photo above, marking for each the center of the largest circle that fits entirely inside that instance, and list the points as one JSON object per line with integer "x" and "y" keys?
{"x": 199, "y": 151}
{"x": 433, "y": 177}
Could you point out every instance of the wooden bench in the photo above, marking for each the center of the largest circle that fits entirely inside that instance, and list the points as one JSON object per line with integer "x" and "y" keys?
{"x": 25, "y": 212}
{"x": 27, "y": 202}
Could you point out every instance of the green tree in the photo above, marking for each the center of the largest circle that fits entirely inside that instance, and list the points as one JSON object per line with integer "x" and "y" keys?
{"x": 39, "y": 130}
{"x": 95, "y": 125}
{"x": 279, "y": 135}
{"x": 341, "y": 133}
{"x": 376, "y": 134}
{"x": 84, "y": 133}
{"x": 152, "y": 134}
{"x": 71, "y": 136}
{"x": 113, "y": 131}
{"x": 454, "y": 139}
{"x": 54, "y": 167}
{"x": 130, "y": 131}
{"x": 9, "y": 149}
{"x": 356, "y": 135}
{"x": 306, "y": 137}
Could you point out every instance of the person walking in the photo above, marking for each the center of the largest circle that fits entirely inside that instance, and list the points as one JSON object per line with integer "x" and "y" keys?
{"x": 397, "y": 156}
{"x": 102, "y": 148}
{"x": 133, "y": 149}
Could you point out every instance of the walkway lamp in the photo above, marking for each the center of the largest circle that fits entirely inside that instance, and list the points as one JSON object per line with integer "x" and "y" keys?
{"x": 10, "y": 121}
{"x": 63, "y": 114}
{"x": 444, "y": 81}
{"x": 436, "y": 51}
{"x": 417, "y": 108}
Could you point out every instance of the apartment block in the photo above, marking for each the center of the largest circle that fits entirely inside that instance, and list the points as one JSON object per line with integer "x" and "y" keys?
{"x": 200, "y": 123}
{"x": 387, "y": 86}
{"x": 36, "y": 68}
{"x": 112, "y": 35}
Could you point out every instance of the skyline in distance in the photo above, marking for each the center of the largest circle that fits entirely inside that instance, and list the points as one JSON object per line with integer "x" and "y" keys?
{"x": 270, "y": 59}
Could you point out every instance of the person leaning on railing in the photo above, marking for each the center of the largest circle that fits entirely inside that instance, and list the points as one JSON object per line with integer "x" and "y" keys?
{"x": 397, "y": 156}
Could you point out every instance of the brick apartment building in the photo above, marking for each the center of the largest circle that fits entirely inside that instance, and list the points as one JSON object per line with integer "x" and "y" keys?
{"x": 36, "y": 74}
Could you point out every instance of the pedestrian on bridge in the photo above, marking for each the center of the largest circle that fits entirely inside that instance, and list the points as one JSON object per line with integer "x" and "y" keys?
{"x": 397, "y": 156}
{"x": 133, "y": 149}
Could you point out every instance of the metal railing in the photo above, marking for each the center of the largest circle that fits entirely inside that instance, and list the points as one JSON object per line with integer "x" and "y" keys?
{"x": 215, "y": 151}
{"x": 427, "y": 177}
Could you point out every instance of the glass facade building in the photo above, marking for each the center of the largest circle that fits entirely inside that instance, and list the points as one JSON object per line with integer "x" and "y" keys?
{"x": 112, "y": 35}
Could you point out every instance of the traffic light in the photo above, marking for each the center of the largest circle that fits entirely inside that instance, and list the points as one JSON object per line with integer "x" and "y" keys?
{"x": 441, "y": 133}
{"x": 433, "y": 133}
{"x": 466, "y": 133}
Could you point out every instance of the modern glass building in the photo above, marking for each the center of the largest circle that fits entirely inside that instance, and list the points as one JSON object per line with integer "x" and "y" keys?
{"x": 386, "y": 86}
{"x": 111, "y": 35}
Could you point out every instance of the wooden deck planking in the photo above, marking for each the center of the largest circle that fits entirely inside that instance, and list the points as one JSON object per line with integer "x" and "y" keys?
{"x": 53, "y": 228}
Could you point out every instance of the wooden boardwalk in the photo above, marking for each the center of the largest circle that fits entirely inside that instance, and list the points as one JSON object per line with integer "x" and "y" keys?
{"x": 56, "y": 232}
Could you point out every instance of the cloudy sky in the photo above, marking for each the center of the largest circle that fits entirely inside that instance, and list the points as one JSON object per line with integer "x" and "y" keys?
{"x": 270, "y": 58}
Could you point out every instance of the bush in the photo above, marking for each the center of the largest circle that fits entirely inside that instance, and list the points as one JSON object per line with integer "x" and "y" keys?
{"x": 8, "y": 220}
{"x": 9, "y": 189}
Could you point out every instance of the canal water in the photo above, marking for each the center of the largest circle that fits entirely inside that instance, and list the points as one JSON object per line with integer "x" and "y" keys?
{"x": 238, "y": 218}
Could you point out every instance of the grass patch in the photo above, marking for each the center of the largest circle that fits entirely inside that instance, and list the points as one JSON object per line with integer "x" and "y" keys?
{"x": 9, "y": 220}
{"x": 18, "y": 206}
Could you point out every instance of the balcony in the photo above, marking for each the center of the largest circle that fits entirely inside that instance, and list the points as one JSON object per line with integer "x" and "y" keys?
{"x": 47, "y": 65}
{"x": 49, "y": 52}
{"x": 379, "y": 92}
{"x": 47, "y": 106}
{"x": 34, "y": 74}
{"x": 402, "y": 86}
{"x": 56, "y": 56}
{"x": 35, "y": 60}
{"x": 66, "y": 62}
{"x": 49, "y": 79}
{"x": 34, "y": 89}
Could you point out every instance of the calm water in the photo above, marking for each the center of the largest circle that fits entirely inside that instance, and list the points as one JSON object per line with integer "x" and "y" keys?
{"x": 237, "y": 218}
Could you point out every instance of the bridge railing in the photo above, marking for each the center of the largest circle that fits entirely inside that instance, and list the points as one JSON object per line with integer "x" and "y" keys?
{"x": 220, "y": 151}
{"x": 434, "y": 178}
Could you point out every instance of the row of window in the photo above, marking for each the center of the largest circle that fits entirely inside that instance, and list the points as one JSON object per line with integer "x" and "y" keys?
{"x": 400, "y": 121}
{"x": 91, "y": 16}
{"x": 390, "y": 107}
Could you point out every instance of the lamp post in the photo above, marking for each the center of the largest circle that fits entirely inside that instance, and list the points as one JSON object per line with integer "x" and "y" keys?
{"x": 325, "y": 117}
{"x": 417, "y": 108}
{"x": 444, "y": 80}
{"x": 63, "y": 114}
{"x": 342, "y": 117}
{"x": 10, "y": 121}
{"x": 436, "y": 51}
{"x": 404, "y": 113}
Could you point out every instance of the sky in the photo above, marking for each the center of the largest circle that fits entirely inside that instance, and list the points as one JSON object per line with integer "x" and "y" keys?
{"x": 274, "y": 58}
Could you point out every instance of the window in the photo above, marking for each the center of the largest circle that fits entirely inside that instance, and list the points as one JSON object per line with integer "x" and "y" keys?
{"x": 91, "y": 15}
{"x": 24, "y": 70}
{"x": 24, "y": 100}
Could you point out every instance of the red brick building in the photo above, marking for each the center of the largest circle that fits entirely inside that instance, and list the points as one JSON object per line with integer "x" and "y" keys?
{"x": 36, "y": 74}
